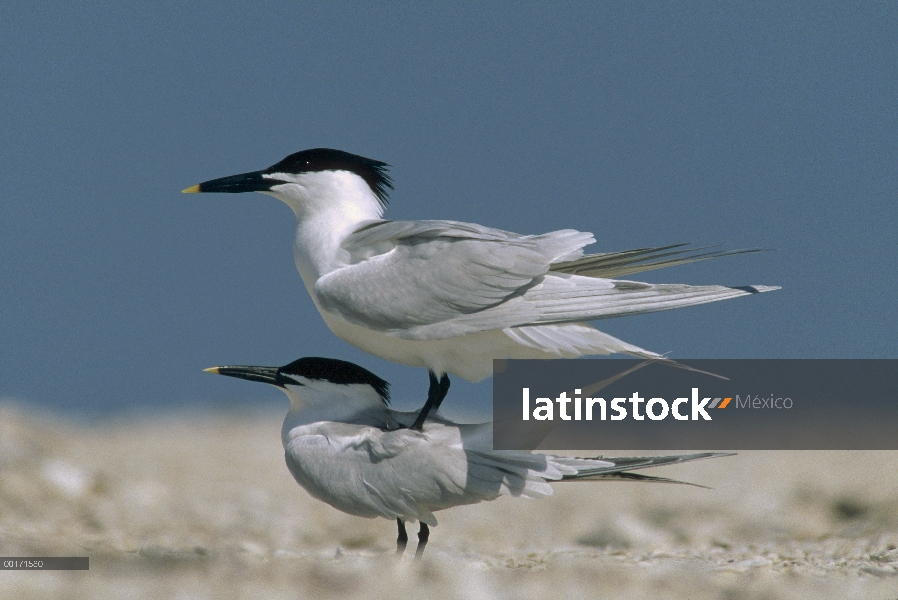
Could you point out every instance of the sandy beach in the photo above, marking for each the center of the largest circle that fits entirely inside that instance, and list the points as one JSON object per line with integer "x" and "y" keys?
{"x": 202, "y": 506}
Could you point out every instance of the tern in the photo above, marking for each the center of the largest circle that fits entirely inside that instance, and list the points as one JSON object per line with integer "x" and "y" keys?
{"x": 451, "y": 296}
{"x": 346, "y": 447}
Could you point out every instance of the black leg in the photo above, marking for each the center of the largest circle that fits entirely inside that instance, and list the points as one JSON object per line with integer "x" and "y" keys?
{"x": 443, "y": 391}
{"x": 435, "y": 395}
{"x": 423, "y": 535}
{"x": 402, "y": 540}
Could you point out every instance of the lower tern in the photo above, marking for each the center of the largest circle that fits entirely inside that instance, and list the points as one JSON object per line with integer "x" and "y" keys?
{"x": 346, "y": 447}
{"x": 451, "y": 296}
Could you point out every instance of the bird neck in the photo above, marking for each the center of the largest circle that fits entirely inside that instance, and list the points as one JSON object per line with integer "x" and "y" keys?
{"x": 329, "y": 206}
{"x": 315, "y": 403}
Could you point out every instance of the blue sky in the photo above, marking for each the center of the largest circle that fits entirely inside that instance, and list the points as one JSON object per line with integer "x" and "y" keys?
{"x": 751, "y": 125}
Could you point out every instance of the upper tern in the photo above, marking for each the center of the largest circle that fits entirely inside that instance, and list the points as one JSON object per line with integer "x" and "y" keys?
{"x": 451, "y": 296}
{"x": 347, "y": 448}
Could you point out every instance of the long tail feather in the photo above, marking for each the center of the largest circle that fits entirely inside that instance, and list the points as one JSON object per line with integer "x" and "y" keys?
{"x": 621, "y": 467}
{"x": 626, "y": 476}
{"x": 617, "y": 264}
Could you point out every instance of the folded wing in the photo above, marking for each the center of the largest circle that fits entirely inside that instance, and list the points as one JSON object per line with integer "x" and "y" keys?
{"x": 408, "y": 273}
{"x": 426, "y": 280}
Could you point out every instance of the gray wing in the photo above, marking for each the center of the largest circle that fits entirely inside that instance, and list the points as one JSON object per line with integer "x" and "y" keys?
{"x": 426, "y": 280}
{"x": 406, "y": 474}
{"x": 572, "y": 298}
{"x": 404, "y": 274}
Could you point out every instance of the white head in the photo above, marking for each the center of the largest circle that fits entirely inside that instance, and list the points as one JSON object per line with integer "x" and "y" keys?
{"x": 315, "y": 181}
